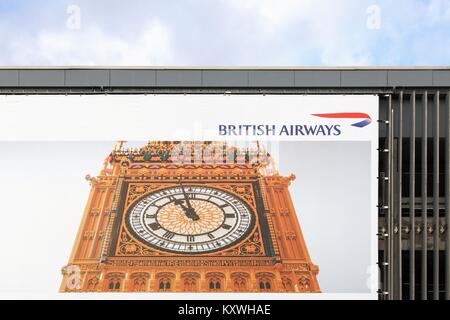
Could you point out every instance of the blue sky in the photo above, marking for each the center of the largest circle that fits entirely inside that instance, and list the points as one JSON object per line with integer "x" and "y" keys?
{"x": 225, "y": 32}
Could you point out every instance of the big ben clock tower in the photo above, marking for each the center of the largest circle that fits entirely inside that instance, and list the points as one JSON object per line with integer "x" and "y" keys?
{"x": 194, "y": 217}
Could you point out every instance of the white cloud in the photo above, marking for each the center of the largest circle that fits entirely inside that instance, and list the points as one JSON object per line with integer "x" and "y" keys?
{"x": 273, "y": 14}
{"x": 325, "y": 32}
{"x": 230, "y": 33}
{"x": 92, "y": 45}
{"x": 438, "y": 11}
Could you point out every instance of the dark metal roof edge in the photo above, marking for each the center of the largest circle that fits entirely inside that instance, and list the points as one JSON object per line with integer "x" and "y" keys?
{"x": 226, "y": 77}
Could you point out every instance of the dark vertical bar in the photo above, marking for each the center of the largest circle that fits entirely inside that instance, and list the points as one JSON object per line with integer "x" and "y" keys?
{"x": 424, "y": 195}
{"x": 399, "y": 197}
{"x": 385, "y": 266}
{"x": 384, "y": 206}
{"x": 436, "y": 198}
{"x": 390, "y": 214}
{"x": 412, "y": 200}
{"x": 447, "y": 201}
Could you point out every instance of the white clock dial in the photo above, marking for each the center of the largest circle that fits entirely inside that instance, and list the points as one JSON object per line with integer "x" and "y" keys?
{"x": 190, "y": 219}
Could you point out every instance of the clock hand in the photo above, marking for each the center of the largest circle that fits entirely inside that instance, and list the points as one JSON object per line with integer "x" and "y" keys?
{"x": 190, "y": 211}
{"x": 185, "y": 209}
{"x": 186, "y": 198}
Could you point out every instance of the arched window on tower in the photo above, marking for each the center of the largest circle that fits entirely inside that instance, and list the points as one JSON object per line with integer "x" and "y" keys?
{"x": 165, "y": 281}
{"x": 114, "y": 284}
{"x": 164, "y": 284}
{"x": 265, "y": 281}
{"x": 215, "y": 281}
{"x": 114, "y": 281}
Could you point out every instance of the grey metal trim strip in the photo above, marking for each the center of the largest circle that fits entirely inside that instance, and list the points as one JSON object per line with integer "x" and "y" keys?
{"x": 436, "y": 239}
{"x": 424, "y": 195}
{"x": 399, "y": 197}
{"x": 67, "y": 77}
{"x": 412, "y": 201}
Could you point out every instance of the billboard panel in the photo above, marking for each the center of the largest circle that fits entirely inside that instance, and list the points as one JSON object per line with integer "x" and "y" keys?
{"x": 232, "y": 194}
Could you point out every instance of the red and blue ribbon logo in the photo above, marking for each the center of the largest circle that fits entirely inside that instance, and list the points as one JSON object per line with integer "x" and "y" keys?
{"x": 348, "y": 115}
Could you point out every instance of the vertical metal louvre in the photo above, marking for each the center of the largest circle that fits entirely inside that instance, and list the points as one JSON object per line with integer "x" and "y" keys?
{"x": 414, "y": 195}
{"x": 436, "y": 223}
{"x": 447, "y": 197}
{"x": 412, "y": 200}
{"x": 424, "y": 179}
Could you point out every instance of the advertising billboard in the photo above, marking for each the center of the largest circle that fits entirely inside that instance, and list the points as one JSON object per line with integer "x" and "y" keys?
{"x": 181, "y": 196}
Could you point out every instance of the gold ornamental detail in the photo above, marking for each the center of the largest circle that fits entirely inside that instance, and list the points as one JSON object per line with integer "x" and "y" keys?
{"x": 172, "y": 218}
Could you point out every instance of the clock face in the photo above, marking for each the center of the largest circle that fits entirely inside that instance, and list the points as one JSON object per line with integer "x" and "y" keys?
{"x": 190, "y": 219}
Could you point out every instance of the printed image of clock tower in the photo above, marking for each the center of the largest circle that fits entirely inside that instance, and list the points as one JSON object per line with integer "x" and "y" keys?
{"x": 189, "y": 217}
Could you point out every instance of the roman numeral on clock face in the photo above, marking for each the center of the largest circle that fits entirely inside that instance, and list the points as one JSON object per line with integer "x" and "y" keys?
{"x": 154, "y": 226}
{"x": 168, "y": 235}
{"x": 230, "y": 215}
{"x": 190, "y": 238}
{"x": 226, "y": 226}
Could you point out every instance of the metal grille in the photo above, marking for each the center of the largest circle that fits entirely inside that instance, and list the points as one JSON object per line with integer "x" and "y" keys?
{"x": 414, "y": 239}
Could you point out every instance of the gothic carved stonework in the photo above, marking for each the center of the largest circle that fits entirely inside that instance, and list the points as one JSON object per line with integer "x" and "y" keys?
{"x": 190, "y": 275}
{"x": 93, "y": 283}
{"x": 240, "y": 281}
{"x": 245, "y": 191}
{"x": 218, "y": 196}
{"x": 252, "y": 247}
{"x": 129, "y": 247}
{"x": 304, "y": 283}
{"x": 291, "y": 235}
{"x": 95, "y": 211}
{"x": 159, "y": 152}
{"x": 88, "y": 235}
{"x": 286, "y": 282}
{"x": 137, "y": 190}
{"x": 217, "y": 262}
{"x": 297, "y": 267}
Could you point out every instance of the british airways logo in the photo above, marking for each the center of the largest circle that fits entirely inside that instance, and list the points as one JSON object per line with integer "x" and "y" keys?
{"x": 348, "y": 115}
{"x": 324, "y": 129}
